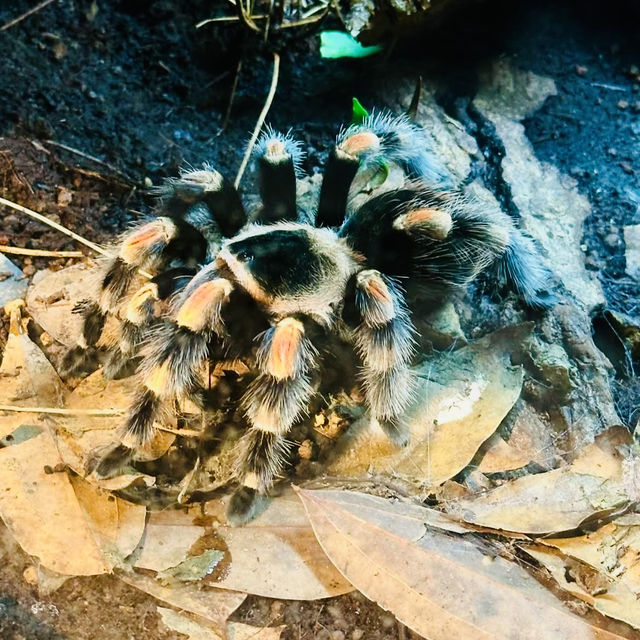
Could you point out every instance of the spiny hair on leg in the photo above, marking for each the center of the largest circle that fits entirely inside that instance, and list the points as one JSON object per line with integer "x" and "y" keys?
{"x": 391, "y": 345}
{"x": 123, "y": 360}
{"x": 275, "y": 405}
{"x": 389, "y": 393}
{"x": 262, "y": 455}
{"x": 93, "y": 320}
{"x": 521, "y": 268}
{"x": 190, "y": 185}
{"x": 405, "y": 143}
{"x": 172, "y": 357}
{"x": 139, "y": 429}
{"x": 277, "y": 147}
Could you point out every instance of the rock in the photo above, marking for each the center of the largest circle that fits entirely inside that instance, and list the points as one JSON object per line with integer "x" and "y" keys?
{"x": 632, "y": 253}
{"x": 549, "y": 203}
{"x": 554, "y": 366}
{"x": 13, "y": 283}
{"x": 441, "y": 327}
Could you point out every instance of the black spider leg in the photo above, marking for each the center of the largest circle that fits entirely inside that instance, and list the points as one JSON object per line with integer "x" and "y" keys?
{"x": 438, "y": 240}
{"x": 342, "y": 166}
{"x": 278, "y": 156}
{"x": 139, "y": 316}
{"x": 273, "y": 402}
{"x": 385, "y": 343}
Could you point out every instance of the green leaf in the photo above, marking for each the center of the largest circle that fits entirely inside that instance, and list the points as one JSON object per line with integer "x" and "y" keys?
{"x": 358, "y": 112}
{"x": 338, "y": 44}
{"x": 380, "y": 176}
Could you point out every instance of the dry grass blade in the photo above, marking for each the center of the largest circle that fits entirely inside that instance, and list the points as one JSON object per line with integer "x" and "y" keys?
{"x": 91, "y": 158}
{"x": 261, "y": 117}
{"x": 439, "y": 585}
{"x": 63, "y": 412}
{"x": 40, "y": 218}
{"x": 41, "y": 253}
{"x": 26, "y": 14}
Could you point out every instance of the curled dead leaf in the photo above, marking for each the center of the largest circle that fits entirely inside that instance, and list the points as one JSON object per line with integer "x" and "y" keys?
{"x": 439, "y": 585}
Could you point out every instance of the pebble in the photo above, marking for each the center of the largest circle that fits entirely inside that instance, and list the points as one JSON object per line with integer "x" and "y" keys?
{"x": 623, "y": 104}
{"x": 357, "y": 634}
{"x": 30, "y": 575}
{"x": 581, "y": 70}
{"x": 612, "y": 240}
{"x": 627, "y": 168}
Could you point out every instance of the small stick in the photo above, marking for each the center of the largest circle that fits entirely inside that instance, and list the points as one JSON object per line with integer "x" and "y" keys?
{"x": 26, "y": 14}
{"x": 43, "y": 253}
{"x": 187, "y": 433}
{"x": 55, "y": 225}
{"x": 63, "y": 412}
{"x": 232, "y": 95}
{"x": 86, "y": 156}
{"x": 261, "y": 118}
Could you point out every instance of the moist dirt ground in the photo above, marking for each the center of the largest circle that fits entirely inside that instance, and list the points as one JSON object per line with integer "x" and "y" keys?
{"x": 101, "y": 99}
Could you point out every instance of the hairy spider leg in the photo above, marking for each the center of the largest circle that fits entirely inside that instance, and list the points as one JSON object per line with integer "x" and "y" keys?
{"x": 408, "y": 145}
{"x": 207, "y": 187}
{"x": 279, "y": 157}
{"x": 273, "y": 402}
{"x": 175, "y": 351}
{"x": 384, "y": 340}
{"x": 381, "y": 138}
{"x": 139, "y": 315}
{"x": 188, "y": 232}
{"x": 342, "y": 166}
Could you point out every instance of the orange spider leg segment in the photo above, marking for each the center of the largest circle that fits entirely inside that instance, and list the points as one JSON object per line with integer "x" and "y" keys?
{"x": 201, "y": 310}
{"x": 434, "y": 222}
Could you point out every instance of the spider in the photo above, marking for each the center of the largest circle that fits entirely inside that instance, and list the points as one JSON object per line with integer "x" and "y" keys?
{"x": 273, "y": 289}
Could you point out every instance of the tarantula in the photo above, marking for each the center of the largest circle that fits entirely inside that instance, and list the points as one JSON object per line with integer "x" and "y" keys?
{"x": 356, "y": 272}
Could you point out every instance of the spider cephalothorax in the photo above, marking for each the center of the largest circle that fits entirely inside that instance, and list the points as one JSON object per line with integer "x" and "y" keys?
{"x": 272, "y": 289}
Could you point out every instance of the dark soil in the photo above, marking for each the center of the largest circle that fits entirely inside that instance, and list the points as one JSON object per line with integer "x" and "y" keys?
{"x": 137, "y": 87}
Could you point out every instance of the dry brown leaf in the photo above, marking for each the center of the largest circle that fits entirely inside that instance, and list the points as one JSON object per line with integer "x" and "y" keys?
{"x": 613, "y": 599}
{"x": 166, "y": 545}
{"x": 213, "y": 605}
{"x": 183, "y": 624}
{"x": 558, "y": 500}
{"x": 83, "y": 437}
{"x": 116, "y": 524}
{"x": 239, "y": 631}
{"x": 501, "y": 456}
{"x": 86, "y": 532}
{"x": 27, "y": 378}
{"x": 603, "y": 457}
{"x": 462, "y": 399}
{"x": 613, "y": 550}
{"x": 52, "y": 296}
{"x": 440, "y": 586}
{"x": 277, "y": 556}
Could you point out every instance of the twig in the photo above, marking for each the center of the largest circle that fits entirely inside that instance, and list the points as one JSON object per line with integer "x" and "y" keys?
{"x": 86, "y": 156}
{"x": 610, "y": 87}
{"x": 232, "y": 95}
{"x": 227, "y": 19}
{"x": 187, "y": 433}
{"x": 55, "y": 225}
{"x": 26, "y": 14}
{"x": 63, "y": 412}
{"x": 43, "y": 253}
{"x": 261, "y": 118}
